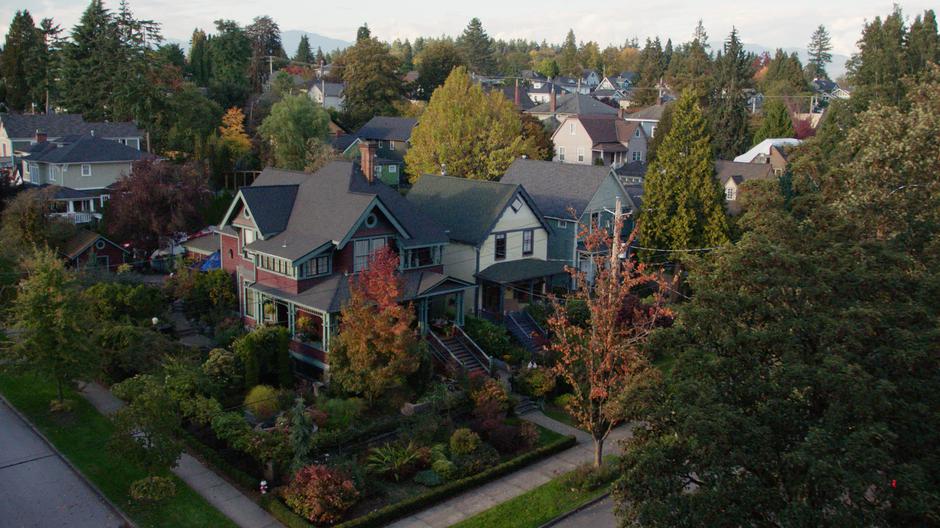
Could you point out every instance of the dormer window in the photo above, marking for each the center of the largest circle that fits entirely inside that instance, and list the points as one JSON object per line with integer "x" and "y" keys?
{"x": 516, "y": 205}
{"x": 730, "y": 194}
{"x": 315, "y": 267}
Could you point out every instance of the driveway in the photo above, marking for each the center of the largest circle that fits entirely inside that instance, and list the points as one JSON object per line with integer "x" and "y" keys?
{"x": 600, "y": 515}
{"x": 38, "y": 489}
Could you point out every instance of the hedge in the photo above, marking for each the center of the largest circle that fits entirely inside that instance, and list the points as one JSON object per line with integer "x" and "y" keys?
{"x": 393, "y": 512}
{"x": 215, "y": 460}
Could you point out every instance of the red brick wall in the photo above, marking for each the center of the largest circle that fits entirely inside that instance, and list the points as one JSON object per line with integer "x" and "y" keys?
{"x": 275, "y": 280}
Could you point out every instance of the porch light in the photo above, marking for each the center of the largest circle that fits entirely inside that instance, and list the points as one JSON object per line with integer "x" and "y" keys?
{"x": 155, "y": 321}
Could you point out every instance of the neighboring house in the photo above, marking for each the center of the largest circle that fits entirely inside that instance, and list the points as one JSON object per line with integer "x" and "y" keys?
{"x": 392, "y": 138}
{"x": 88, "y": 249}
{"x": 294, "y": 240}
{"x": 599, "y": 140}
{"x": 561, "y": 106}
{"x": 329, "y": 95}
{"x": 515, "y": 93}
{"x": 770, "y": 151}
{"x": 624, "y": 81}
{"x": 201, "y": 246}
{"x": 733, "y": 174}
{"x": 611, "y": 97}
{"x": 498, "y": 239}
{"x": 19, "y": 131}
{"x": 647, "y": 117}
{"x": 828, "y": 90}
{"x": 572, "y": 198}
{"x": 540, "y": 90}
{"x": 590, "y": 78}
{"x": 83, "y": 169}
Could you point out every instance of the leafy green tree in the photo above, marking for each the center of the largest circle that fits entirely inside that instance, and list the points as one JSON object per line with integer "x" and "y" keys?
{"x": 20, "y": 63}
{"x": 373, "y": 84}
{"x": 477, "y": 48}
{"x": 819, "y": 50}
{"x": 568, "y": 59}
{"x": 267, "y": 52}
{"x": 293, "y": 121}
{"x": 304, "y": 54}
{"x": 51, "y": 323}
{"x": 728, "y": 111}
{"x": 535, "y": 132}
{"x": 147, "y": 429}
{"x": 776, "y": 122}
{"x": 189, "y": 118}
{"x": 26, "y": 224}
{"x": 200, "y": 67}
{"x": 549, "y": 68}
{"x": 683, "y": 206}
{"x": 466, "y": 132}
{"x": 435, "y": 62}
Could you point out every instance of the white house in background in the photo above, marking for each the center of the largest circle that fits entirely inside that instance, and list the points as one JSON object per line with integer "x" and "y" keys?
{"x": 328, "y": 94}
{"x": 764, "y": 149}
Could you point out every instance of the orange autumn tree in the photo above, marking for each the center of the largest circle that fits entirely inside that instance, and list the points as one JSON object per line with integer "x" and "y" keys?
{"x": 233, "y": 132}
{"x": 377, "y": 347}
{"x": 603, "y": 359}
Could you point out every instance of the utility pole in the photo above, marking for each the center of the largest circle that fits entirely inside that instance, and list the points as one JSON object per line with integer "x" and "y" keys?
{"x": 615, "y": 242}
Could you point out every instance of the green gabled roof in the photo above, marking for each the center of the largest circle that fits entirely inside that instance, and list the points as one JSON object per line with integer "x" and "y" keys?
{"x": 520, "y": 270}
{"x": 467, "y": 209}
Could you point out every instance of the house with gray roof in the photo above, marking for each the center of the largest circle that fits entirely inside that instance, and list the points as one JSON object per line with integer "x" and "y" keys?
{"x": 329, "y": 95}
{"x": 560, "y": 106}
{"x": 575, "y": 199}
{"x": 19, "y": 131}
{"x": 392, "y": 137}
{"x": 82, "y": 169}
{"x": 599, "y": 140}
{"x": 733, "y": 174}
{"x": 498, "y": 239}
{"x": 294, "y": 241}
{"x": 647, "y": 117}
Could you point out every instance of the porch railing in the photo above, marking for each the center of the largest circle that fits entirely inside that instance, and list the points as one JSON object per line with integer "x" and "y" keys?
{"x": 78, "y": 217}
{"x": 441, "y": 351}
{"x": 475, "y": 350}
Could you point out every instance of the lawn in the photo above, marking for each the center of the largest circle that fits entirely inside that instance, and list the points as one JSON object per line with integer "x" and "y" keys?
{"x": 533, "y": 508}
{"x": 559, "y": 415}
{"x": 82, "y": 436}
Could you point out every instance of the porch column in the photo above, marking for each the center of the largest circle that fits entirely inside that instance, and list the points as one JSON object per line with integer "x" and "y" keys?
{"x": 460, "y": 296}
{"x": 502, "y": 302}
{"x": 291, "y": 317}
{"x": 423, "y": 316}
{"x": 325, "y": 323}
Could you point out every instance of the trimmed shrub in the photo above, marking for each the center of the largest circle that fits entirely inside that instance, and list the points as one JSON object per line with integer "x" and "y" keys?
{"x": 445, "y": 468}
{"x": 340, "y": 412}
{"x": 481, "y": 459}
{"x": 563, "y": 400}
{"x": 587, "y": 477}
{"x": 152, "y": 489}
{"x": 265, "y": 356}
{"x": 428, "y": 478}
{"x": 464, "y": 441}
{"x": 262, "y": 402}
{"x": 115, "y": 301}
{"x": 504, "y": 438}
{"x": 320, "y": 494}
{"x": 222, "y": 367}
{"x": 537, "y": 382}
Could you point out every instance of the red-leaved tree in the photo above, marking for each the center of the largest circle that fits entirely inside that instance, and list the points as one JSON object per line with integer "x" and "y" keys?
{"x": 377, "y": 347}
{"x": 157, "y": 200}
{"x": 603, "y": 359}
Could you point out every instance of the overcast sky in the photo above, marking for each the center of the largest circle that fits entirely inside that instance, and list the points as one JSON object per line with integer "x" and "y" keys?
{"x": 771, "y": 24}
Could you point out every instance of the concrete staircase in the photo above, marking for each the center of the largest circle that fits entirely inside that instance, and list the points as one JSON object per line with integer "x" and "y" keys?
{"x": 525, "y": 405}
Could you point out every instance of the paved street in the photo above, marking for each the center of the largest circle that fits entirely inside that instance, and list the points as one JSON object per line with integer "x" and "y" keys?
{"x": 38, "y": 489}
{"x": 600, "y": 515}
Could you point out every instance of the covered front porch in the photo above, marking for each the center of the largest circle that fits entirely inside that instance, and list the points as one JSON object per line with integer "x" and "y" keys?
{"x": 509, "y": 287}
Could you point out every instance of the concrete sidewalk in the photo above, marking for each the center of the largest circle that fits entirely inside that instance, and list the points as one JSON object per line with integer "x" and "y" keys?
{"x": 217, "y": 491}
{"x": 480, "y": 499}
{"x": 38, "y": 488}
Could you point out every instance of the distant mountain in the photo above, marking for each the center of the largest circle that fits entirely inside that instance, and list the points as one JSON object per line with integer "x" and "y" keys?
{"x": 291, "y": 38}
{"x": 835, "y": 69}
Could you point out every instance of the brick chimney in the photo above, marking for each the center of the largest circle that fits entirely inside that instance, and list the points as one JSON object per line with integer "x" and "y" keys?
{"x": 516, "y": 99}
{"x": 551, "y": 100}
{"x": 41, "y": 137}
{"x": 367, "y": 159}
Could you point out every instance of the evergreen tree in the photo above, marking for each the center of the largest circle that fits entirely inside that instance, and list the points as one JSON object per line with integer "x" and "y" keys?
{"x": 728, "y": 110}
{"x": 691, "y": 66}
{"x": 468, "y": 132}
{"x": 699, "y": 36}
{"x": 683, "y": 206}
{"x": 877, "y": 70}
{"x": 650, "y": 72}
{"x": 199, "y": 66}
{"x": 373, "y": 84}
{"x": 776, "y": 122}
{"x": 87, "y": 80}
{"x": 923, "y": 42}
{"x": 304, "y": 54}
{"x": 820, "y": 46}
{"x": 22, "y": 48}
{"x": 568, "y": 58}
{"x": 477, "y": 48}
{"x": 230, "y": 52}
{"x": 784, "y": 75}
{"x": 363, "y": 33}
{"x": 320, "y": 58}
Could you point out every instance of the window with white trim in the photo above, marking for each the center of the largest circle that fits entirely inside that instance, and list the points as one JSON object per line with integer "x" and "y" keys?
{"x": 251, "y": 309}
{"x": 52, "y": 173}
{"x": 562, "y": 224}
{"x": 637, "y": 156}
{"x": 363, "y": 250}
{"x": 571, "y": 128}
{"x": 516, "y": 205}
{"x": 393, "y": 169}
{"x": 637, "y": 133}
{"x": 730, "y": 194}
{"x": 86, "y": 169}
{"x": 500, "y": 249}
{"x": 580, "y": 154}
{"x": 527, "y": 247}
{"x": 561, "y": 153}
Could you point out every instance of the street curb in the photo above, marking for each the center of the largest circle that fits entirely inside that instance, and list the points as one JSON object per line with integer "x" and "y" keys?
{"x": 579, "y": 509}
{"x": 128, "y": 523}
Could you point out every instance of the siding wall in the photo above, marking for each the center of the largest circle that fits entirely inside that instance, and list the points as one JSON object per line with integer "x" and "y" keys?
{"x": 512, "y": 223}
{"x": 572, "y": 142}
